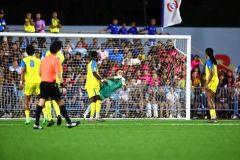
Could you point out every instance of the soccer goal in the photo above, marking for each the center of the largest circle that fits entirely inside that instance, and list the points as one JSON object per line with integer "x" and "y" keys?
{"x": 156, "y": 69}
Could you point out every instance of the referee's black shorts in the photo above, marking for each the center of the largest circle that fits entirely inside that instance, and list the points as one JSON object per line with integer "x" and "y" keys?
{"x": 50, "y": 89}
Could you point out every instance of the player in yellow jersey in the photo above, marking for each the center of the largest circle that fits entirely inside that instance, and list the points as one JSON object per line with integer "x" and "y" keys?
{"x": 30, "y": 71}
{"x": 48, "y": 103}
{"x": 92, "y": 86}
{"x": 211, "y": 82}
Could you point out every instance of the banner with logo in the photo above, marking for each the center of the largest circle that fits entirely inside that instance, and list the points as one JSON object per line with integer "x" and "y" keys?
{"x": 170, "y": 12}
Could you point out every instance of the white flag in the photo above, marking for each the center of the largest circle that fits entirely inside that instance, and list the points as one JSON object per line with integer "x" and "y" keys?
{"x": 170, "y": 12}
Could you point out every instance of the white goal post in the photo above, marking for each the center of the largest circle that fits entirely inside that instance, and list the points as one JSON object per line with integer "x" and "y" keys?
{"x": 144, "y": 54}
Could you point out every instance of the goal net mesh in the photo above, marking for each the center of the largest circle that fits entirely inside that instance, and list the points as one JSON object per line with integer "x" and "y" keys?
{"x": 155, "y": 70}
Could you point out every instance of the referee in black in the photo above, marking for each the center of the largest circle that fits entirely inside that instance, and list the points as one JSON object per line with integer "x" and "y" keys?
{"x": 50, "y": 68}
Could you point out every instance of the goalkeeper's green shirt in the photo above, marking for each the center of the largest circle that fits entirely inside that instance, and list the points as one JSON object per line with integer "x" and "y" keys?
{"x": 107, "y": 89}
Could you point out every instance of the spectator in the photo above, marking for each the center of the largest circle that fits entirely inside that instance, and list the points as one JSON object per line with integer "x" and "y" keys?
{"x": 196, "y": 62}
{"x": 116, "y": 56}
{"x": 79, "y": 48}
{"x": 3, "y": 27}
{"x": 155, "y": 80}
{"x": 1, "y": 54}
{"x": 87, "y": 46}
{"x": 173, "y": 101}
{"x": 124, "y": 101}
{"x": 55, "y": 25}
{"x": 113, "y": 27}
{"x": 29, "y": 27}
{"x": 128, "y": 59}
{"x": 40, "y": 28}
{"x": 68, "y": 42}
{"x": 102, "y": 53}
{"x": 146, "y": 77}
{"x": 151, "y": 104}
{"x": 133, "y": 29}
{"x": 94, "y": 42}
{"x": 152, "y": 30}
{"x": 15, "y": 67}
{"x": 123, "y": 30}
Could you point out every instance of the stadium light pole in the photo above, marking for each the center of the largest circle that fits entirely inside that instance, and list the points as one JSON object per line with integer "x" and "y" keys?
{"x": 145, "y": 12}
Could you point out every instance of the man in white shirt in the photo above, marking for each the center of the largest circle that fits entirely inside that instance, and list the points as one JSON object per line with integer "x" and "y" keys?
{"x": 128, "y": 59}
{"x": 172, "y": 100}
{"x": 15, "y": 67}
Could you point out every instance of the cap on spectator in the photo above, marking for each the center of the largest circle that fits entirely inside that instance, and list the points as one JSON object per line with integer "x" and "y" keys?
{"x": 1, "y": 12}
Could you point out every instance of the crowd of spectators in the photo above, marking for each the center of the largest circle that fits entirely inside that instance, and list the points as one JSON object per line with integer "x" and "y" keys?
{"x": 154, "y": 70}
{"x": 227, "y": 96}
{"x": 146, "y": 70}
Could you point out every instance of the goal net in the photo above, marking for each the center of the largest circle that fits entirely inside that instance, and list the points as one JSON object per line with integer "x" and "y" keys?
{"x": 156, "y": 70}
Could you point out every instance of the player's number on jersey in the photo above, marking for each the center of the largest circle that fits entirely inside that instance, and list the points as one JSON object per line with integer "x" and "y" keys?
{"x": 31, "y": 63}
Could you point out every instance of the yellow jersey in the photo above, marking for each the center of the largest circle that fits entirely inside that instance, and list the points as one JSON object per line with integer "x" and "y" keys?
{"x": 54, "y": 22}
{"x": 29, "y": 27}
{"x": 32, "y": 66}
{"x": 91, "y": 81}
{"x": 214, "y": 81}
{"x": 60, "y": 56}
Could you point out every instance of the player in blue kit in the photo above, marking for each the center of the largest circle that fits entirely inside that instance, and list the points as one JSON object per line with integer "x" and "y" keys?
{"x": 152, "y": 30}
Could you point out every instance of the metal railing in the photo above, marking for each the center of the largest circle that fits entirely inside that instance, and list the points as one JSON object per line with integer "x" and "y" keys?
{"x": 136, "y": 102}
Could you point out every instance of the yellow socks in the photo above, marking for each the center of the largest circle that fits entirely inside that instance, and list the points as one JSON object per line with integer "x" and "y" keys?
{"x": 93, "y": 108}
{"x": 48, "y": 106}
{"x": 56, "y": 107}
{"x": 45, "y": 112}
{"x": 213, "y": 114}
{"x": 98, "y": 108}
{"x": 27, "y": 113}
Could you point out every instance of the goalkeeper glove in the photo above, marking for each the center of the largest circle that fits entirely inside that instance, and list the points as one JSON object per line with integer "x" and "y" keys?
{"x": 117, "y": 77}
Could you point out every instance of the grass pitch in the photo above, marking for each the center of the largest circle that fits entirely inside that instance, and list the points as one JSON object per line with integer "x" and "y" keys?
{"x": 122, "y": 140}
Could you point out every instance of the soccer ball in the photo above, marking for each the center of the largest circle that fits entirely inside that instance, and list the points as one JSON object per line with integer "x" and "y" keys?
{"x": 136, "y": 61}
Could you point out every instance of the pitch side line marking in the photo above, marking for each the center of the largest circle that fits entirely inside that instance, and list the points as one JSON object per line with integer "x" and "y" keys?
{"x": 138, "y": 124}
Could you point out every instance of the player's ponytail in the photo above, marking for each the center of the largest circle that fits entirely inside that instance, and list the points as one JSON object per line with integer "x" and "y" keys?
{"x": 209, "y": 52}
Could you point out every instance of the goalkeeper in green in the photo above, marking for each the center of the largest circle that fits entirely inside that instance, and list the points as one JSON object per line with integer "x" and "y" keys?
{"x": 110, "y": 85}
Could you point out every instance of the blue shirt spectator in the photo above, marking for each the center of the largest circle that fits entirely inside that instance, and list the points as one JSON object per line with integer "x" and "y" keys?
{"x": 152, "y": 29}
{"x": 113, "y": 27}
{"x": 133, "y": 30}
{"x": 2, "y": 22}
{"x": 123, "y": 30}
{"x": 116, "y": 56}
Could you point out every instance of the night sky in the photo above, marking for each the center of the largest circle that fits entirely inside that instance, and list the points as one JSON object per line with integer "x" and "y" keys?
{"x": 195, "y": 13}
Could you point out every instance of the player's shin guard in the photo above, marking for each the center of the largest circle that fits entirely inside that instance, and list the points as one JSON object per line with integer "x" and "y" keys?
{"x": 155, "y": 110}
{"x": 98, "y": 108}
{"x": 65, "y": 115}
{"x": 49, "y": 109}
{"x": 93, "y": 109}
{"x": 56, "y": 107}
{"x": 38, "y": 113}
{"x": 149, "y": 112}
{"x": 27, "y": 113}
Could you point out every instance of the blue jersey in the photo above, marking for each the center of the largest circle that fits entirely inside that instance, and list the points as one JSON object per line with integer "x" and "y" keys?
{"x": 2, "y": 25}
{"x": 152, "y": 30}
{"x": 116, "y": 57}
{"x": 123, "y": 30}
{"x": 133, "y": 30}
{"x": 113, "y": 28}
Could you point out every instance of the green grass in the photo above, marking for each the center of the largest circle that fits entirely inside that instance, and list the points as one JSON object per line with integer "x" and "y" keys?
{"x": 122, "y": 139}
